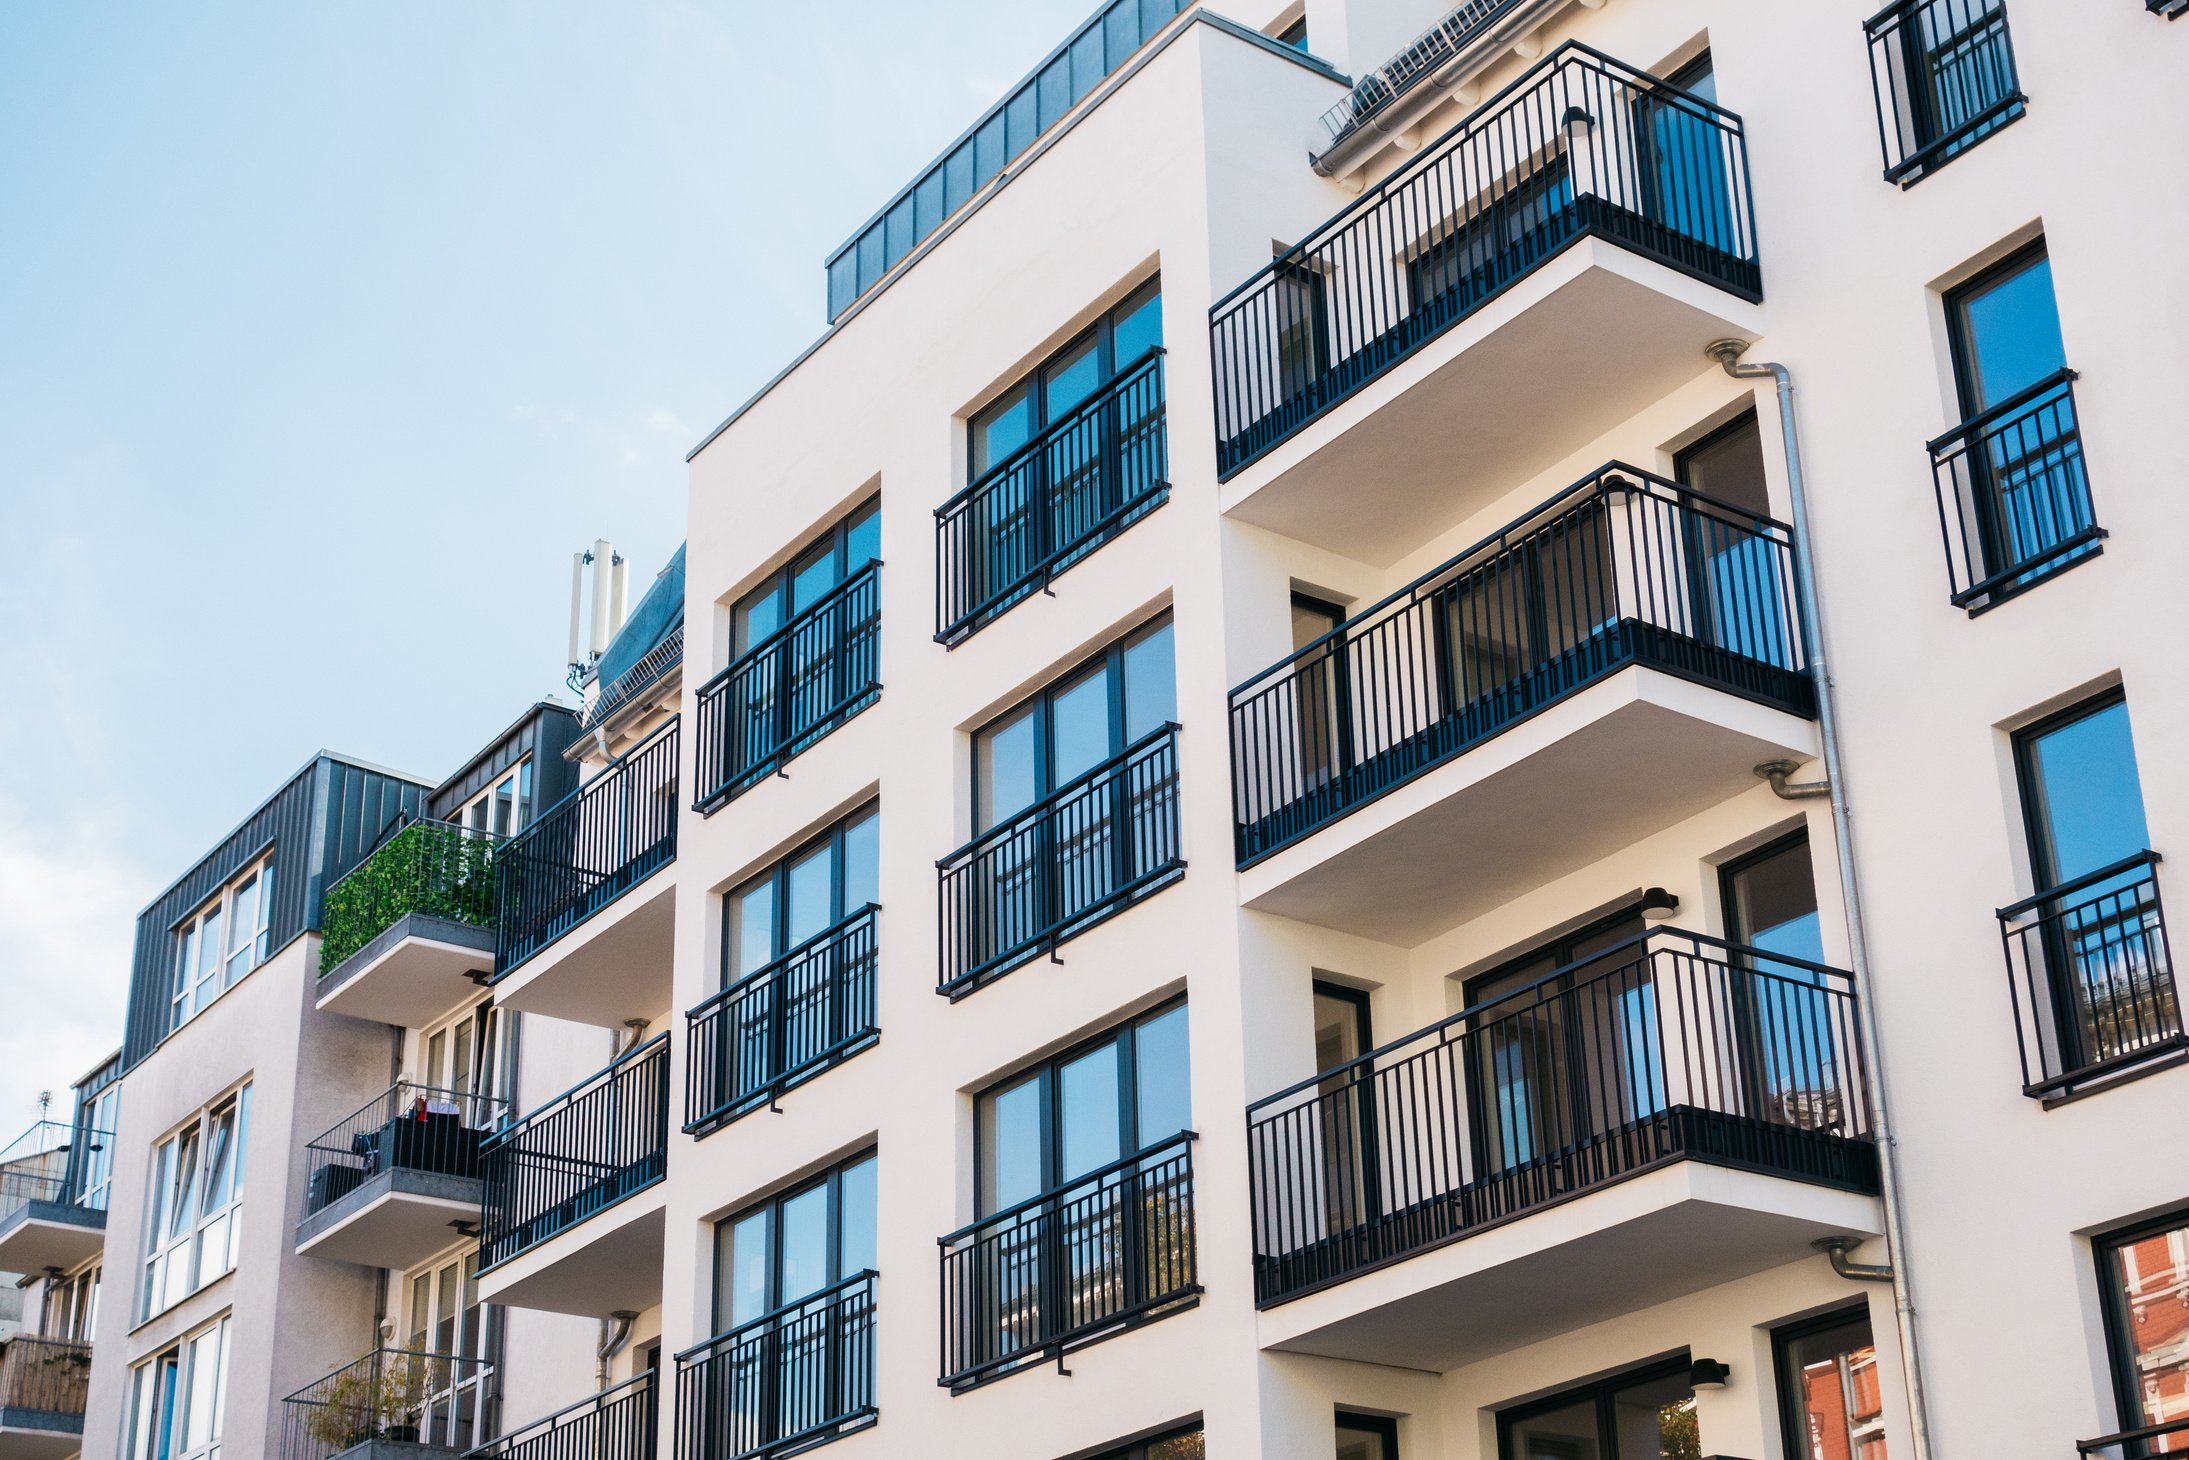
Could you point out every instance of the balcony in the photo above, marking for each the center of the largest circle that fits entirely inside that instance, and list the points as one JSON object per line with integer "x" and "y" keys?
{"x": 405, "y": 929}
{"x": 1085, "y": 479}
{"x": 1721, "y": 1087}
{"x": 583, "y": 1159}
{"x": 2013, "y": 498}
{"x": 391, "y": 1402}
{"x": 2092, "y": 980}
{"x": 1548, "y": 268}
{"x": 1617, "y": 659}
{"x": 53, "y": 1197}
{"x": 1380, "y": 93}
{"x": 384, "y": 1187}
{"x": 1104, "y": 1253}
{"x": 1944, "y": 79}
{"x": 790, "y": 690}
{"x": 787, "y": 1381}
{"x": 43, "y": 1385}
{"x": 615, "y": 1424}
{"x": 587, "y": 917}
{"x": 2149, "y": 1441}
{"x": 1100, "y": 843}
{"x": 781, "y": 1025}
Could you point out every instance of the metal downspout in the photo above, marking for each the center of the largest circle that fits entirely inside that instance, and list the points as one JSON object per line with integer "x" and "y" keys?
{"x": 1728, "y": 355}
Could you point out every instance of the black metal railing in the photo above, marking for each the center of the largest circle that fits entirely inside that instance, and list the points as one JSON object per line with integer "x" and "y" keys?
{"x": 791, "y": 689}
{"x": 56, "y": 1164}
{"x": 1942, "y": 72}
{"x": 438, "y": 868}
{"x": 781, "y": 1024}
{"x": 587, "y": 850}
{"x": 1621, "y": 568}
{"x": 402, "y": 1396}
{"x": 2013, "y": 496}
{"x": 1082, "y": 481}
{"x": 615, "y": 1424}
{"x": 1414, "y": 63}
{"x": 1103, "y": 1251}
{"x": 48, "y": 1377}
{"x": 1671, "y": 1045}
{"x": 1579, "y": 145}
{"x": 652, "y": 667}
{"x": 2091, "y": 977}
{"x": 2145, "y": 1443}
{"x": 785, "y": 1381}
{"x": 411, "y": 1127}
{"x": 579, "y": 1154}
{"x": 2172, "y": 10}
{"x": 1097, "y": 844}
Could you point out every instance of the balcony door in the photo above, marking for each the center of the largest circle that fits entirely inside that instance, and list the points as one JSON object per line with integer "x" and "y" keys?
{"x": 1646, "y": 1414}
{"x": 1347, "y": 1107}
{"x": 1738, "y": 600}
{"x": 1085, "y": 844}
{"x": 1323, "y": 711}
{"x": 786, "y": 1276}
{"x": 1563, "y": 1051}
{"x": 1056, "y": 1148}
{"x": 1788, "y": 1057}
{"x": 1686, "y": 171}
{"x": 2143, "y": 1275}
{"x": 2100, "y": 939}
{"x": 796, "y": 687}
{"x": 448, "y": 1322}
{"x": 1526, "y": 619}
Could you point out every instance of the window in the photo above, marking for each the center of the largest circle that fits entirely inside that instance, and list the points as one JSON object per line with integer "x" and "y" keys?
{"x": 1944, "y": 75}
{"x": 802, "y": 896}
{"x": 197, "y": 1195}
{"x": 1325, "y": 721}
{"x": 1097, "y": 712}
{"x": 1366, "y": 1437}
{"x": 96, "y": 1122}
{"x": 2143, "y": 1275}
{"x": 794, "y": 1307}
{"x": 447, "y": 1319}
{"x": 2094, "y": 927}
{"x": 1740, "y": 601}
{"x": 1829, "y": 1397}
{"x": 1181, "y": 1445}
{"x": 178, "y": 1401}
{"x": 1343, "y": 1033}
{"x": 842, "y": 551}
{"x": 1771, "y": 900}
{"x": 473, "y": 1059}
{"x": 2019, "y": 497}
{"x": 1648, "y": 1414}
{"x": 505, "y": 807}
{"x": 222, "y": 941}
{"x": 1294, "y": 35}
{"x": 1048, "y": 393}
{"x": 72, "y": 1307}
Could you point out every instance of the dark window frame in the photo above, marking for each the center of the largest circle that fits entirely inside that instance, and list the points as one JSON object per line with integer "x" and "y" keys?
{"x": 2119, "y": 1322}
{"x": 782, "y": 581}
{"x": 1600, "y": 1390}
{"x": 1732, "y": 868}
{"x": 1030, "y": 383}
{"x": 831, "y": 836}
{"x": 2043, "y": 876}
{"x": 1131, "y": 1140}
{"x": 1956, "y": 300}
{"x": 1383, "y": 1427}
{"x": 1139, "y": 1449}
{"x": 773, "y": 1204}
{"x": 1783, "y": 1339}
{"x": 1109, "y": 660}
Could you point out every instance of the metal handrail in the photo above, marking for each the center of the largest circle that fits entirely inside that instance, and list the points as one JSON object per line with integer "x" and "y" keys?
{"x": 1019, "y": 820}
{"x": 2079, "y": 884}
{"x": 778, "y": 1314}
{"x": 1048, "y": 435}
{"x": 2132, "y": 1437}
{"x": 2010, "y": 406}
{"x": 394, "y": 1131}
{"x": 1413, "y": 62}
{"x": 525, "y": 1439}
{"x": 1048, "y": 1198}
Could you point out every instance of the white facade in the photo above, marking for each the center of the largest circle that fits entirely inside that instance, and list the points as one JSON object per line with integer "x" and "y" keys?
{"x": 1602, "y": 1188}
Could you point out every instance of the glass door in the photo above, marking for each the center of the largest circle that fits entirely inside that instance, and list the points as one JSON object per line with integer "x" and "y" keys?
{"x": 1347, "y": 1130}
{"x": 1738, "y": 599}
{"x": 448, "y": 1322}
{"x": 1787, "y": 1053}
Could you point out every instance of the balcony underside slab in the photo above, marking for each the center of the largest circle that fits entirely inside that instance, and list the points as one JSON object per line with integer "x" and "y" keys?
{"x": 612, "y": 967}
{"x": 396, "y": 1219}
{"x": 608, "y": 1263}
{"x": 411, "y": 974}
{"x": 1675, "y": 1230}
{"x": 1586, "y": 341}
{"x": 32, "y": 1434}
{"x": 1584, "y": 777}
{"x": 43, "y": 1234}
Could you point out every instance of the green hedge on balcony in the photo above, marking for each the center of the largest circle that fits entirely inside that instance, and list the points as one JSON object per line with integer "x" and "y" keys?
{"x": 428, "y": 867}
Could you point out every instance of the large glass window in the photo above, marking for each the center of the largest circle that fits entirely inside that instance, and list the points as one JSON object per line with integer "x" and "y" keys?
{"x": 1829, "y": 1397}
{"x": 842, "y": 551}
{"x": 1366, "y": 1437}
{"x": 2096, "y": 932}
{"x": 2005, "y": 326}
{"x": 1073, "y": 726}
{"x": 178, "y": 1401}
{"x": 448, "y": 1320}
{"x": 802, "y": 896}
{"x": 193, "y": 1233}
{"x": 1788, "y": 1031}
{"x": 2144, "y": 1276}
{"x": 1740, "y": 602}
{"x": 1648, "y": 1414}
{"x": 1182, "y": 1445}
{"x": 1048, "y": 393}
{"x": 222, "y": 941}
{"x": 503, "y": 808}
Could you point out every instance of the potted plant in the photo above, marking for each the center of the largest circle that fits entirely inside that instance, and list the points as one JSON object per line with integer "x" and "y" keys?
{"x": 405, "y": 1382}
{"x": 383, "y": 1402}
{"x": 344, "y": 1415}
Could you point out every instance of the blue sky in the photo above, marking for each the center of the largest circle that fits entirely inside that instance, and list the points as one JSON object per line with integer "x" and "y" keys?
{"x": 327, "y": 332}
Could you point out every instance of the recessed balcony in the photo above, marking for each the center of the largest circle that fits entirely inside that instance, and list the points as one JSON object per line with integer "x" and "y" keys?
{"x": 43, "y": 1385}
{"x": 395, "y": 1182}
{"x": 1618, "y": 659}
{"x": 53, "y": 1197}
{"x": 587, "y": 911}
{"x": 572, "y": 1216}
{"x": 409, "y": 933}
{"x": 411, "y": 1403}
{"x": 1547, "y": 269}
{"x": 1668, "y": 1115}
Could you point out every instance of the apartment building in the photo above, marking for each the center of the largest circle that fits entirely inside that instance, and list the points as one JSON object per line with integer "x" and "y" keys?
{"x": 1338, "y": 827}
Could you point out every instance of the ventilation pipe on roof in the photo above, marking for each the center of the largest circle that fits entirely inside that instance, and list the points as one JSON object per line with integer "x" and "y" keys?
{"x": 1728, "y": 355}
